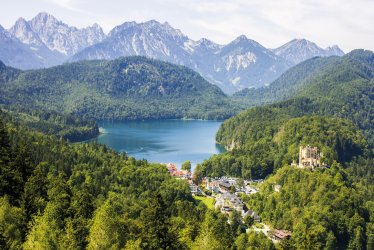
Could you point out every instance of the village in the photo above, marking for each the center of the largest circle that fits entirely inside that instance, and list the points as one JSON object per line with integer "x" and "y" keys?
{"x": 226, "y": 192}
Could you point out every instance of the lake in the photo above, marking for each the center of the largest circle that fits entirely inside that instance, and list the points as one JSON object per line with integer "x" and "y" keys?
{"x": 162, "y": 141}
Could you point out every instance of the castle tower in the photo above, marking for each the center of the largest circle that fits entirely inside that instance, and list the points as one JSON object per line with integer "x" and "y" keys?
{"x": 309, "y": 157}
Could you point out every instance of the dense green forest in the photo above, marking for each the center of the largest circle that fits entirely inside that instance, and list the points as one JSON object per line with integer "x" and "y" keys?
{"x": 66, "y": 126}
{"x": 273, "y": 141}
{"x": 324, "y": 209}
{"x": 123, "y": 89}
{"x": 57, "y": 195}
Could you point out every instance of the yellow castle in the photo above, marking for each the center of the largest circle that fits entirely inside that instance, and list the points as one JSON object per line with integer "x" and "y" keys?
{"x": 309, "y": 157}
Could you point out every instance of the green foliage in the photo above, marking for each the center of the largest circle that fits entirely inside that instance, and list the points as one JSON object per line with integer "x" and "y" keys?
{"x": 207, "y": 201}
{"x": 252, "y": 241}
{"x": 186, "y": 165}
{"x": 339, "y": 86}
{"x": 323, "y": 209}
{"x": 11, "y": 225}
{"x": 236, "y": 223}
{"x": 123, "y": 89}
{"x": 78, "y": 196}
{"x": 215, "y": 232}
{"x": 272, "y": 141}
{"x": 67, "y": 126}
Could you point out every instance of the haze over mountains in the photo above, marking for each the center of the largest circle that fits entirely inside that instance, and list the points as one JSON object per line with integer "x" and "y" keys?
{"x": 45, "y": 41}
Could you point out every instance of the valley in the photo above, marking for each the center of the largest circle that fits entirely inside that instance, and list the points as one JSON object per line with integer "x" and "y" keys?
{"x": 143, "y": 138}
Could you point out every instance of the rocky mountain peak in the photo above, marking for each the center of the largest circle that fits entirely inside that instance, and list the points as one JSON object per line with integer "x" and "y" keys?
{"x": 206, "y": 43}
{"x": 298, "y": 50}
{"x": 23, "y": 31}
{"x": 335, "y": 50}
{"x": 44, "y": 17}
{"x": 240, "y": 38}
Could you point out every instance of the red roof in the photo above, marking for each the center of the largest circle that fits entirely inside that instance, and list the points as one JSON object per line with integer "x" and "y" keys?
{"x": 171, "y": 167}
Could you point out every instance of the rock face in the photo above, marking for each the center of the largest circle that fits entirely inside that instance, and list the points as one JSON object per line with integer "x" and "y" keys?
{"x": 58, "y": 36}
{"x": 15, "y": 53}
{"x": 242, "y": 63}
{"x": 45, "y": 41}
{"x": 48, "y": 41}
{"x": 299, "y": 50}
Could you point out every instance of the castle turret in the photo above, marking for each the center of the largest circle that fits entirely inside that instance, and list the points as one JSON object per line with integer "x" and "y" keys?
{"x": 309, "y": 157}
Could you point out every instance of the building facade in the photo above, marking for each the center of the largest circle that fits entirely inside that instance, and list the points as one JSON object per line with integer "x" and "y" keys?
{"x": 309, "y": 157}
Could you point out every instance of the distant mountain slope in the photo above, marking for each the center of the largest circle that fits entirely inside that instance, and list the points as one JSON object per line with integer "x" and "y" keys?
{"x": 343, "y": 88}
{"x": 296, "y": 81}
{"x": 58, "y": 36}
{"x": 15, "y": 53}
{"x": 23, "y": 31}
{"x": 243, "y": 63}
{"x": 7, "y": 73}
{"x": 287, "y": 85}
{"x": 337, "y": 85}
{"x": 299, "y": 50}
{"x": 126, "y": 88}
{"x": 44, "y": 41}
{"x": 151, "y": 39}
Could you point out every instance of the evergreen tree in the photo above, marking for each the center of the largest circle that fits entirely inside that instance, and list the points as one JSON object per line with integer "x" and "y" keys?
{"x": 186, "y": 165}
{"x": 155, "y": 231}
{"x": 10, "y": 178}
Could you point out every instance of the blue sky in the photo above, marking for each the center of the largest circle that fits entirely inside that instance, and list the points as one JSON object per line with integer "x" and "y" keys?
{"x": 348, "y": 23}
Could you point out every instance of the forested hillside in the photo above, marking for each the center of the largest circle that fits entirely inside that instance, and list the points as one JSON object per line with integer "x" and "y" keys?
{"x": 287, "y": 85}
{"x": 56, "y": 195}
{"x": 273, "y": 138}
{"x": 66, "y": 126}
{"x": 122, "y": 89}
{"x": 307, "y": 78}
{"x": 344, "y": 89}
{"x": 324, "y": 209}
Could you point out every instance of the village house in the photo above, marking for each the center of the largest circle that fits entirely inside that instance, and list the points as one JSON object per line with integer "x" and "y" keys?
{"x": 227, "y": 202}
{"x": 224, "y": 186}
{"x": 255, "y": 216}
{"x": 279, "y": 235}
{"x": 171, "y": 168}
{"x": 232, "y": 181}
{"x": 212, "y": 186}
{"x": 250, "y": 190}
{"x": 182, "y": 174}
{"x": 194, "y": 188}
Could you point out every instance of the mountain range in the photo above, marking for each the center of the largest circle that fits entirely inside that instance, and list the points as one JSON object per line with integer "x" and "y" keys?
{"x": 45, "y": 41}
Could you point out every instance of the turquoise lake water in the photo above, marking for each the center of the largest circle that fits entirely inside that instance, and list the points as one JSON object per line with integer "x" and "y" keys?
{"x": 163, "y": 141}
